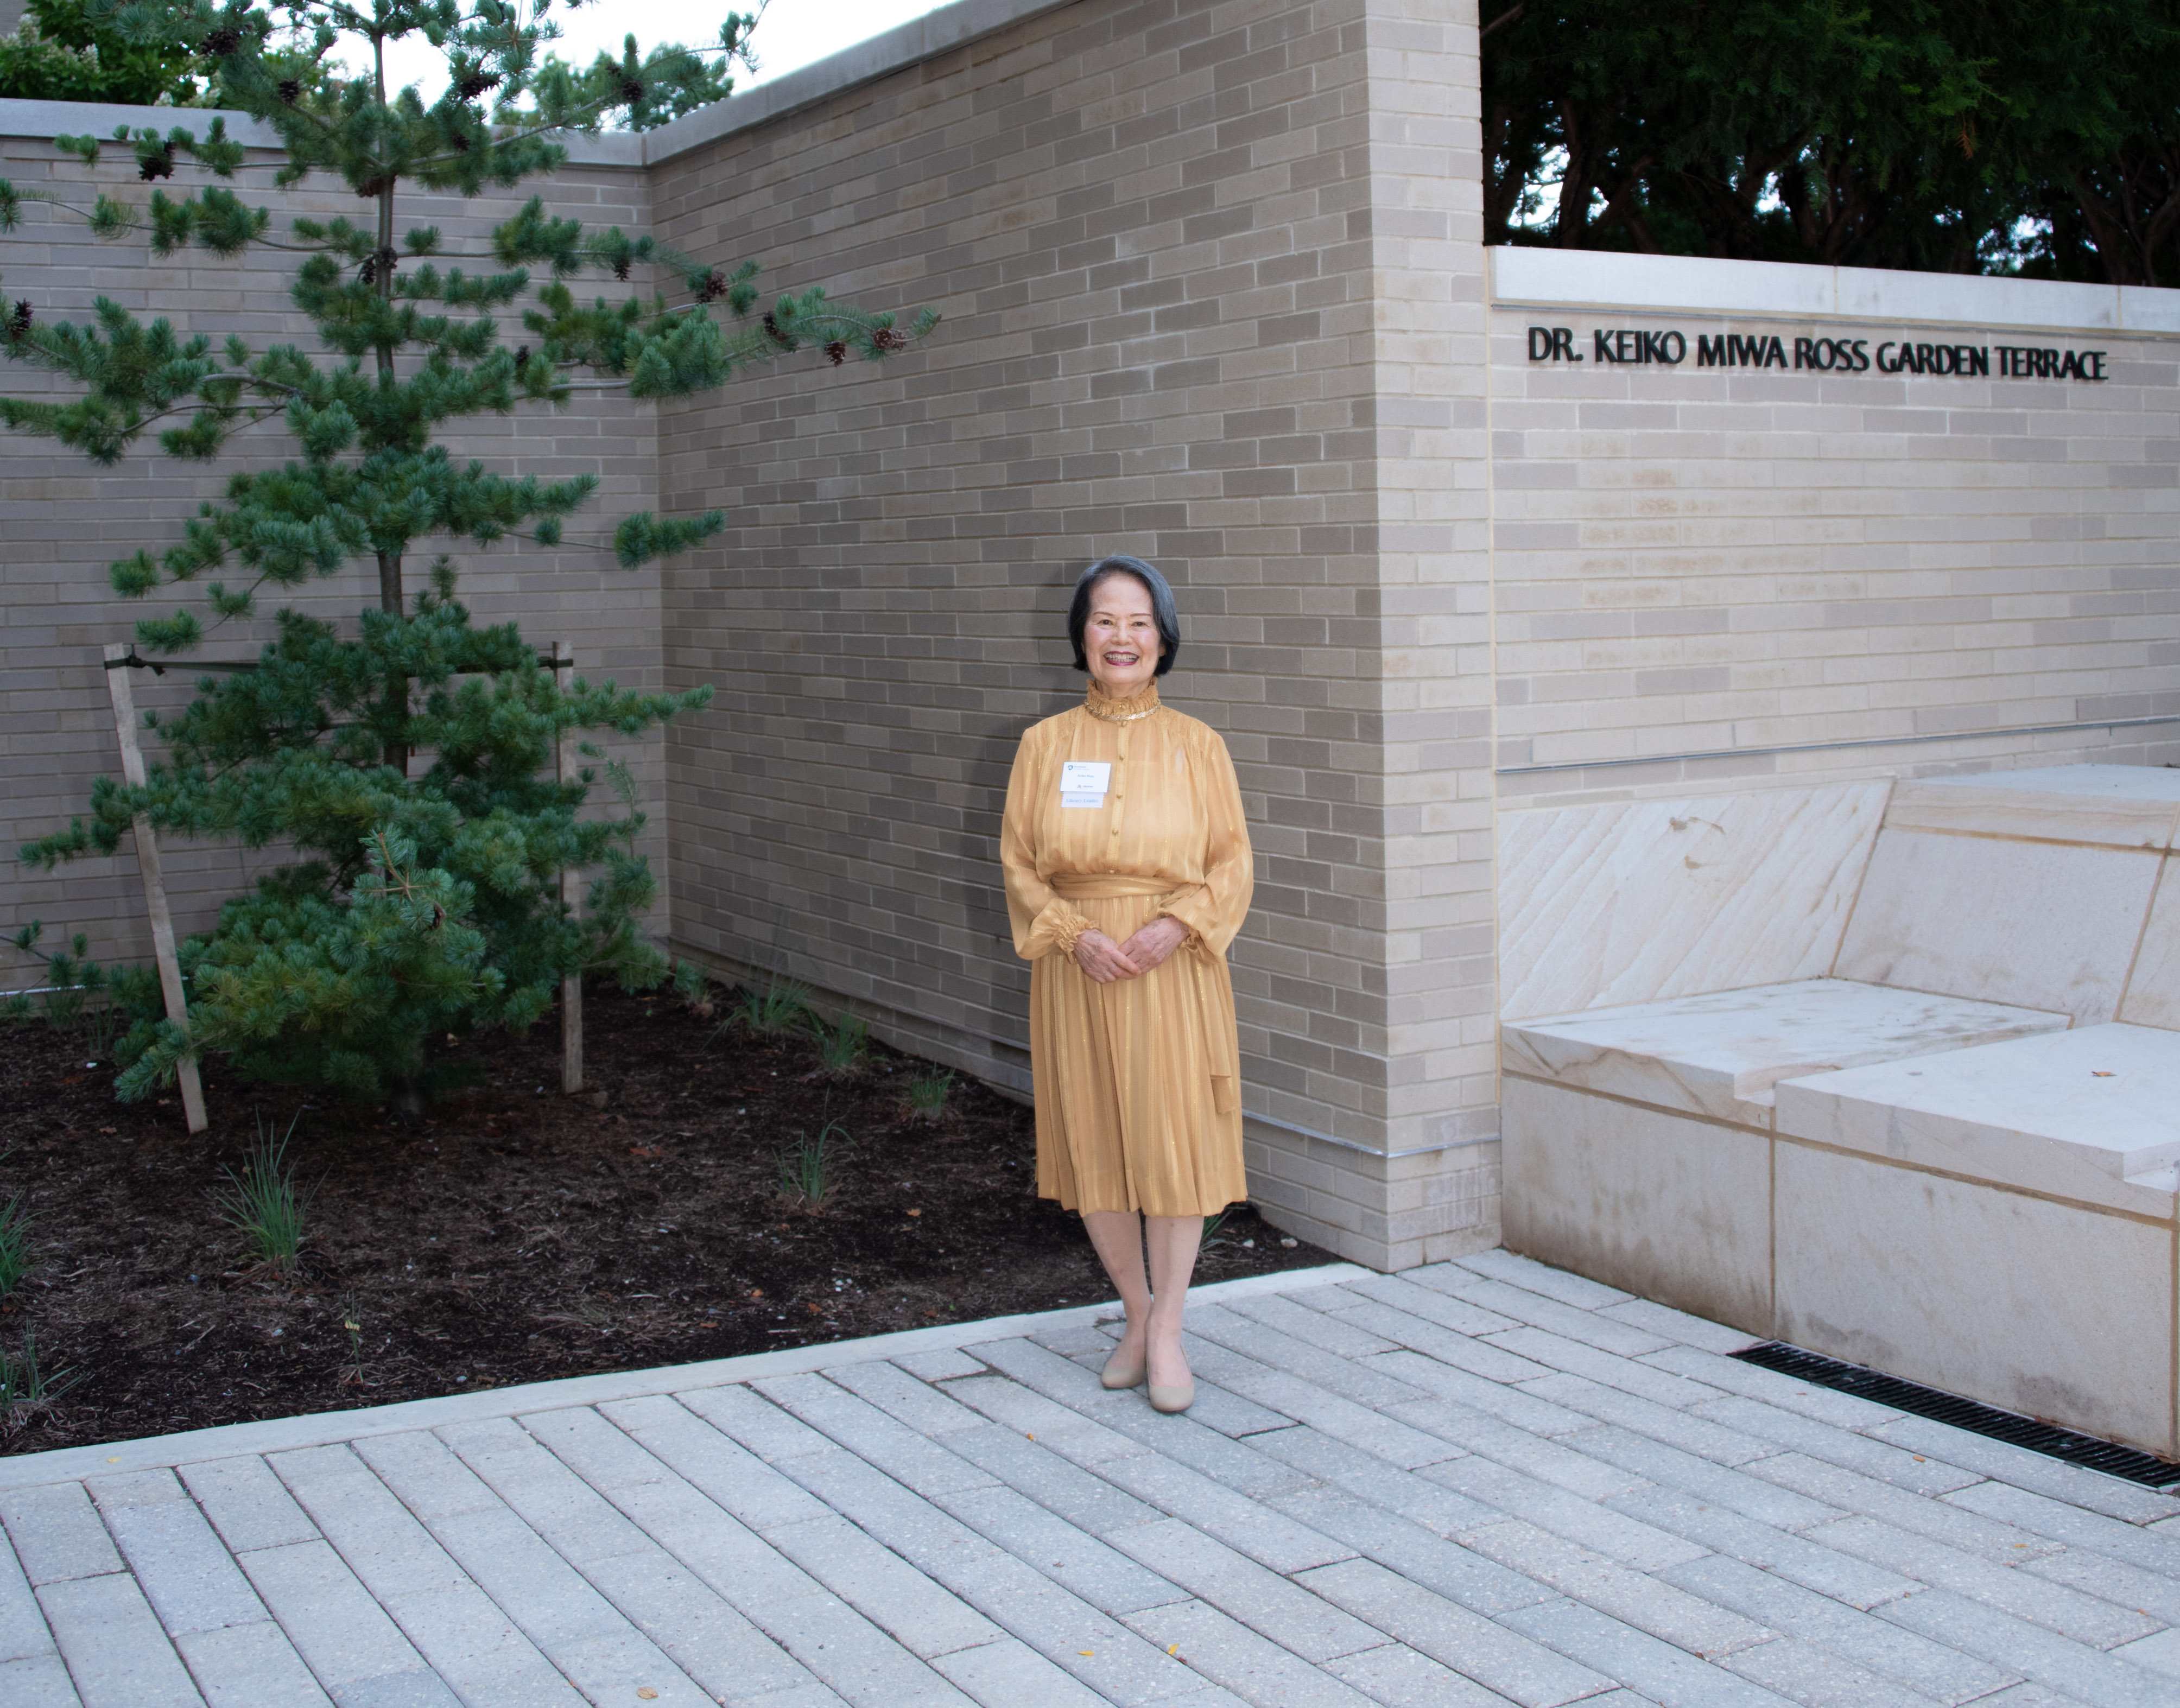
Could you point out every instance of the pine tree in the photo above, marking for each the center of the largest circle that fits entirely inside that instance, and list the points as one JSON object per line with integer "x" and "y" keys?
{"x": 407, "y": 761}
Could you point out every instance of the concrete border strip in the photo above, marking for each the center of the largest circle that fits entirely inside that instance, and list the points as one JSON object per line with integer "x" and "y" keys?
{"x": 325, "y": 1428}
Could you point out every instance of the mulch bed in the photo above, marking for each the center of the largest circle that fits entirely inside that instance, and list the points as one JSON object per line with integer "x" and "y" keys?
{"x": 520, "y": 1234}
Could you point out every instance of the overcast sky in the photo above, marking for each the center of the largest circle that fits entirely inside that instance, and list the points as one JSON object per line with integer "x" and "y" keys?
{"x": 792, "y": 33}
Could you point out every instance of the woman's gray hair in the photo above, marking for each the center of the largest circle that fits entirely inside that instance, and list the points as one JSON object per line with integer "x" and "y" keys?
{"x": 1162, "y": 611}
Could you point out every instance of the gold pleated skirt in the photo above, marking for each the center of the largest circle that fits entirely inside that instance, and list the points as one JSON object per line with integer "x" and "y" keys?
{"x": 1137, "y": 1083}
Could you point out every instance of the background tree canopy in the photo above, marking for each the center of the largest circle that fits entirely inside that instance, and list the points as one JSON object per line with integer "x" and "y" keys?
{"x": 1948, "y": 135}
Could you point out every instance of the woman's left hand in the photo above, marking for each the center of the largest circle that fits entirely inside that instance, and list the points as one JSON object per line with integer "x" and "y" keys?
{"x": 1155, "y": 941}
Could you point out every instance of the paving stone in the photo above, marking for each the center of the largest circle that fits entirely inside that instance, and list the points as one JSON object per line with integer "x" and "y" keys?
{"x": 2063, "y": 1522}
{"x": 183, "y": 1568}
{"x": 1070, "y": 1556}
{"x": 859, "y": 1427}
{"x": 116, "y": 1656}
{"x": 1443, "y": 1566}
{"x": 249, "y": 1506}
{"x": 1235, "y": 1658}
{"x": 1495, "y": 1398}
{"x": 1402, "y": 1677}
{"x": 909, "y": 1399}
{"x": 1273, "y": 1349}
{"x": 933, "y": 1366}
{"x": 1313, "y": 1328}
{"x": 1006, "y": 1674}
{"x": 249, "y": 1667}
{"x": 1788, "y": 1393}
{"x": 1265, "y": 1601}
{"x": 1525, "y": 1273}
{"x": 1458, "y": 1348}
{"x": 1323, "y": 1458}
{"x": 1568, "y": 1462}
{"x": 733, "y": 1476}
{"x": 1767, "y": 1500}
{"x": 1957, "y": 1524}
{"x": 1668, "y": 1324}
{"x": 2076, "y": 1485}
{"x": 1932, "y": 1670}
{"x": 667, "y": 1474}
{"x": 1403, "y": 1294}
{"x": 42, "y": 1679}
{"x": 57, "y": 1533}
{"x": 2150, "y": 1593}
{"x": 23, "y": 1635}
{"x": 1639, "y": 1599}
{"x": 1092, "y": 1646}
{"x": 346, "y": 1639}
{"x": 1666, "y": 1674}
{"x": 1556, "y": 1351}
{"x": 499, "y": 1545}
{"x": 1659, "y": 1423}
{"x": 1064, "y": 1430}
{"x": 1368, "y": 1424}
{"x": 1877, "y": 1460}
{"x": 1802, "y": 1673}
{"x": 2074, "y": 1669}
{"x": 1504, "y": 1662}
{"x": 1568, "y": 1320}
{"x": 2025, "y": 1695}
{"x": 1612, "y": 1534}
{"x": 995, "y": 1527}
{"x": 1843, "y": 1577}
{"x": 1188, "y": 1439}
{"x": 2069, "y": 1613}
{"x": 2159, "y": 1653}
{"x": 1268, "y": 1537}
{"x": 1082, "y": 1498}
{"x": 1374, "y": 1429}
{"x": 1074, "y": 1340}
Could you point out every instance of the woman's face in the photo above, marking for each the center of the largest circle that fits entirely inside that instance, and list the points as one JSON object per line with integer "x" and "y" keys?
{"x": 1120, "y": 638}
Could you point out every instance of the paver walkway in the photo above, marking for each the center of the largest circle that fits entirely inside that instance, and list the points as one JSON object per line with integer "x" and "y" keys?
{"x": 1480, "y": 1482}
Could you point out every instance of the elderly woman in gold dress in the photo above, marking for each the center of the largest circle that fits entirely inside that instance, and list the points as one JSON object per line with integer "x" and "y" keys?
{"x": 1128, "y": 873}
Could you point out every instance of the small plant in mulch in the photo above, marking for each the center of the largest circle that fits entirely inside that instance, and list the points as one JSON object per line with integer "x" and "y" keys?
{"x": 780, "y": 1010}
{"x": 807, "y": 1176}
{"x": 264, "y": 1205}
{"x": 844, "y": 1046}
{"x": 14, "y": 1244}
{"x": 924, "y": 1098}
{"x": 25, "y": 1387}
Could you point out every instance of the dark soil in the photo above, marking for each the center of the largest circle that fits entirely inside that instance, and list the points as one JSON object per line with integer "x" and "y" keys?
{"x": 521, "y": 1233}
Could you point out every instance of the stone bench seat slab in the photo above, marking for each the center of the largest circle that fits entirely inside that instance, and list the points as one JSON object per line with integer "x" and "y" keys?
{"x": 2091, "y": 1114}
{"x": 1720, "y": 1054}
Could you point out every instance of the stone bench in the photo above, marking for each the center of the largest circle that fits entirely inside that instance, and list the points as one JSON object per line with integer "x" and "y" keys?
{"x": 1952, "y": 1157}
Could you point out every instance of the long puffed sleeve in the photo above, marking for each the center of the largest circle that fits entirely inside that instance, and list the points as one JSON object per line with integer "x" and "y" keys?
{"x": 1043, "y": 924}
{"x": 1214, "y": 910}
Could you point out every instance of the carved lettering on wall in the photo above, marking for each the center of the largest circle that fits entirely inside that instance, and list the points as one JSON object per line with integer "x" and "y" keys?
{"x": 1634, "y": 347}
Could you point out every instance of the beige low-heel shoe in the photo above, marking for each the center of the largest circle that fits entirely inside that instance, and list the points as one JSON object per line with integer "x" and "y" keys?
{"x": 1177, "y": 1398}
{"x": 1116, "y": 1374}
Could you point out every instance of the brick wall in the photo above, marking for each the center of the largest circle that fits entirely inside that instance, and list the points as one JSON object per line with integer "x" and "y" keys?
{"x": 62, "y": 521}
{"x": 1692, "y": 559}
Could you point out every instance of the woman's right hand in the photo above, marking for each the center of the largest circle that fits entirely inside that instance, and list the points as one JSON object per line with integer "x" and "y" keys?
{"x": 1100, "y": 956}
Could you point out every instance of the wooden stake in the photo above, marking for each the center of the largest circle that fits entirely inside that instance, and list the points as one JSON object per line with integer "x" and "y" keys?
{"x": 572, "y": 893}
{"x": 155, "y": 883}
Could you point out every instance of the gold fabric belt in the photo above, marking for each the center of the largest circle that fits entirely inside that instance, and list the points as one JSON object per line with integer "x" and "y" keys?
{"x": 1098, "y": 887}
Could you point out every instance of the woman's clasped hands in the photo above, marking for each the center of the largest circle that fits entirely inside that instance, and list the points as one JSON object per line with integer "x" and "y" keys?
{"x": 1109, "y": 962}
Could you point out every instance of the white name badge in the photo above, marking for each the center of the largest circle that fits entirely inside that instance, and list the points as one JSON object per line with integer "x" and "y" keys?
{"x": 1084, "y": 782}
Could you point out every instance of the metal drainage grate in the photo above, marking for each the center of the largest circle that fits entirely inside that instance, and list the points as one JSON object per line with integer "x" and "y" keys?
{"x": 1963, "y": 1414}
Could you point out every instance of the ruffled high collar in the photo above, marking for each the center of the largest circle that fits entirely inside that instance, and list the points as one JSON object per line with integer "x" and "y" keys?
{"x": 1120, "y": 710}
